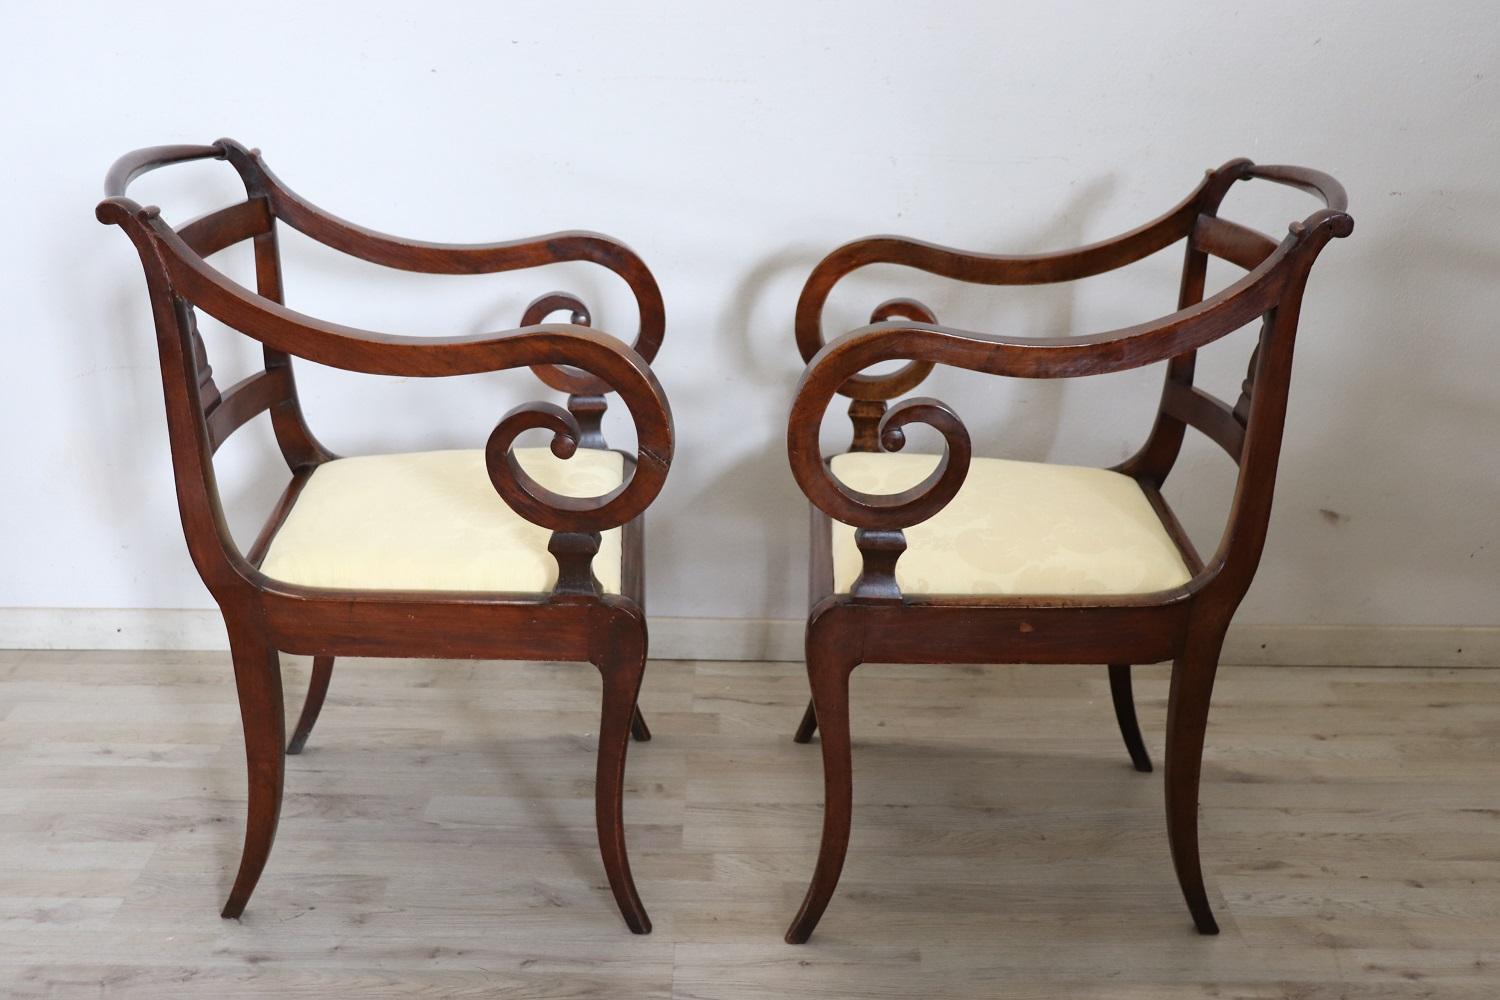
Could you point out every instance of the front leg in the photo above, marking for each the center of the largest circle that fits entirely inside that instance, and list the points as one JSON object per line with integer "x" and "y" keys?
{"x": 829, "y": 665}
{"x": 257, "y": 676}
{"x": 622, "y": 664}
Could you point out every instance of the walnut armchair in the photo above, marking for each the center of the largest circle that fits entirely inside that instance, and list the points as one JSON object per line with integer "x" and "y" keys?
{"x": 956, "y": 559}
{"x": 408, "y": 555}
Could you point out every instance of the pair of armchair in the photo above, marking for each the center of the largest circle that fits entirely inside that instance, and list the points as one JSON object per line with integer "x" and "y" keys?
{"x": 915, "y": 558}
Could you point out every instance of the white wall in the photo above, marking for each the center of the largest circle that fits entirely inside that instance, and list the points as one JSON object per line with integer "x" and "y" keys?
{"x": 732, "y": 145}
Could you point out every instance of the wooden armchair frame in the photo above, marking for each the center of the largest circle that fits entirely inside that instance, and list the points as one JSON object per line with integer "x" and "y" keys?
{"x": 263, "y": 616}
{"x": 875, "y": 622}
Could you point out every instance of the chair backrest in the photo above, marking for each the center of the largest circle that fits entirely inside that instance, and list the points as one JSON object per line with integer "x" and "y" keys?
{"x": 200, "y": 415}
{"x": 1250, "y": 429}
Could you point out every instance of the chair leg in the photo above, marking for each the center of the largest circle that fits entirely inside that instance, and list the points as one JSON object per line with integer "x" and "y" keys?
{"x": 257, "y": 675}
{"x": 622, "y": 667}
{"x": 317, "y": 690}
{"x": 807, "y": 726}
{"x": 828, "y": 672}
{"x": 1187, "y": 720}
{"x": 1124, "y": 698}
{"x": 638, "y": 728}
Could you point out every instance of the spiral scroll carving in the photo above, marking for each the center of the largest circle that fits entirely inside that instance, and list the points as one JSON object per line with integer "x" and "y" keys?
{"x": 908, "y": 376}
{"x": 542, "y": 506}
{"x": 563, "y": 379}
{"x": 868, "y": 510}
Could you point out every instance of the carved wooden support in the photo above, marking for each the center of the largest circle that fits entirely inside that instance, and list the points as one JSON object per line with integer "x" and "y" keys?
{"x": 1247, "y": 387}
{"x": 574, "y": 552}
{"x": 208, "y": 391}
{"x": 588, "y": 411}
{"x": 865, "y": 415}
{"x": 881, "y": 549}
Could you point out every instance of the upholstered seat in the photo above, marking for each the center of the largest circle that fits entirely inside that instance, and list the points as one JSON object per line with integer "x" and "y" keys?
{"x": 1017, "y": 528}
{"x": 433, "y": 521}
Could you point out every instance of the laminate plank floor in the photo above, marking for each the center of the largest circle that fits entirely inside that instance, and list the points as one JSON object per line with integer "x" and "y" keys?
{"x": 437, "y": 838}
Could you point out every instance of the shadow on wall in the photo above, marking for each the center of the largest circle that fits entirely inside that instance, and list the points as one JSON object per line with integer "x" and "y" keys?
{"x": 1373, "y": 431}
{"x": 755, "y": 494}
{"x": 746, "y": 501}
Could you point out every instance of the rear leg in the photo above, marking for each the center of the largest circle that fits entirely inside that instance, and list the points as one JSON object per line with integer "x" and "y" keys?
{"x": 1124, "y": 698}
{"x": 317, "y": 690}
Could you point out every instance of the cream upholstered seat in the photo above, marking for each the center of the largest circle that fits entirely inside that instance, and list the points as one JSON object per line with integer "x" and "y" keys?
{"x": 433, "y": 521}
{"x": 1017, "y": 528}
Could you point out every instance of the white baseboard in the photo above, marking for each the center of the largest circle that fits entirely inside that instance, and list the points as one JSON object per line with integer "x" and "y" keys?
{"x": 781, "y": 639}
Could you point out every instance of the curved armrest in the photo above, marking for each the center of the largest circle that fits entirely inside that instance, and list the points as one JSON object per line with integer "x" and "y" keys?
{"x": 603, "y": 357}
{"x": 427, "y": 257}
{"x": 476, "y": 258}
{"x": 984, "y": 269}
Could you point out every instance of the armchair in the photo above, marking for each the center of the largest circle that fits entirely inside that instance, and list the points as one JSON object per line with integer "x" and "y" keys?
{"x": 951, "y": 558}
{"x": 407, "y": 555}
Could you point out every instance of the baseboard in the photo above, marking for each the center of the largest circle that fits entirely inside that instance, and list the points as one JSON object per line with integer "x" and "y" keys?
{"x": 781, "y": 639}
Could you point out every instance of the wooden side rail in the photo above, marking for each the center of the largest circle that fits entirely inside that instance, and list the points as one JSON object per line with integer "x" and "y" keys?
{"x": 1206, "y": 412}
{"x": 245, "y": 400}
{"x": 224, "y": 228}
{"x": 1231, "y": 241}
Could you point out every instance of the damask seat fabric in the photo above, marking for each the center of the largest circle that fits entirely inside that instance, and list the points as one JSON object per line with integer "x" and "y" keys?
{"x": 433, "y": 521}
{"x": 1017, "y": 528}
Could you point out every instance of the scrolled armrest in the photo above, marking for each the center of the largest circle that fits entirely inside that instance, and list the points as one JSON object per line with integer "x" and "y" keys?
{"x": 475, "y": 258}
{"x": 979, "y": 268}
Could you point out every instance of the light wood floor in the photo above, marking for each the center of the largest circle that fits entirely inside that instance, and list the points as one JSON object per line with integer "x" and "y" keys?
{"x": 437, "y": 838}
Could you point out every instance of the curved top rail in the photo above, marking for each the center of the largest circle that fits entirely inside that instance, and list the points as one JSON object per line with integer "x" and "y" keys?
{"x": 130, "y": 166}
{"x": 1305, "y": 179}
